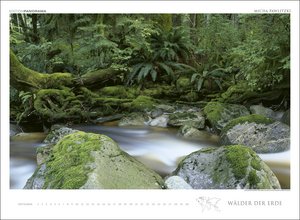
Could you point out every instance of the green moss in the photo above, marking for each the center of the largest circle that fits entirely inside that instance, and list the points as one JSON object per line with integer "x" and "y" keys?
{"x": 153, "y": 92}
{"x": 259, "y": 119}
{"x": 255, "y": 162}
{"x": 190, "y": 97}
{"x": 114, "y": 91}
{"x": 70, "y": 161}
{"x": 253, "y": 179}
{"x": 238, "y": 158}
{"x": 23, "y": 78}
{"x": 213, "y": 111}
{"x": 142, "y": 103}
{"x": 183, "y": 83}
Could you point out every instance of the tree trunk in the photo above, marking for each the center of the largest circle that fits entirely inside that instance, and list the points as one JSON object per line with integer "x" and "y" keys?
{"x": 25, "y": 79}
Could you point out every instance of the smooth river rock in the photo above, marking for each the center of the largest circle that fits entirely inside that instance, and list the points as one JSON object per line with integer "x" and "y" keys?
{"x": 161, "y": 121}
{"x": 257, "y": 132}
{"x": 229, "y": 167}
{"x": 176, "y": 182}
{"x": 195, "y": 119}
{"x": 261, "y": 110}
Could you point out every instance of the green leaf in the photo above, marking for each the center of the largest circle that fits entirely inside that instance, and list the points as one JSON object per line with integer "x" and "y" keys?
{"x": 167, "y": 69}
{"x": 219, "y": 83}
{"x": 194, "y": 76}
{"x": 199, "y": 84}
{"x": 153, "y": 74}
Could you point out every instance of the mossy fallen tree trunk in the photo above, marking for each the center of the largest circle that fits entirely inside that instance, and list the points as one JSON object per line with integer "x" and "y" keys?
{"x": 63, "y": 96}
{"x": 25, "y": 79}
{"x": 99, "y": 78}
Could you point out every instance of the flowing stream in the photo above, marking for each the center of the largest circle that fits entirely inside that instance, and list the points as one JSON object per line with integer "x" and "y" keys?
{"x": 158, "y": 148}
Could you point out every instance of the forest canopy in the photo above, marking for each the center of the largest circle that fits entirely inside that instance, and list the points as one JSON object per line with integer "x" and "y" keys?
{"x": 175, "y": 57}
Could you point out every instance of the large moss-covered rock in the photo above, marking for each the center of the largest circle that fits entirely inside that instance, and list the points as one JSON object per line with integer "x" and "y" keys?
{"x": 195, "y": 119}
{"x": 262, "y": 134}
{"x": 219, "y": 114}
{"x": 229, "y": 167}
{"x": 92, "y": 161}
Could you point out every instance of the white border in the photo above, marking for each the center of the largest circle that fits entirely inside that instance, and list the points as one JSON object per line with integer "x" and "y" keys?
{"x": 138, "y": 204}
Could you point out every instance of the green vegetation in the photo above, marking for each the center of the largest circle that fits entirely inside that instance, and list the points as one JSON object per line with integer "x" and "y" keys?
{"x": 238, "y": 159}
{"x": 253, "y": 179}
{"x": 71, "y": 158}
{"x": 102, "y": 58}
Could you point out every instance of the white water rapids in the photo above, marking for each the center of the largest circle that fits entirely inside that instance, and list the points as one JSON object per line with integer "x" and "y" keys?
{"x": 158, "y": 148}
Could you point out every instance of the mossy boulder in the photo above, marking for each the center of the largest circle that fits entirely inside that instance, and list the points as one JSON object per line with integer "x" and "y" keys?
{"x": 195, "y": 119}
{"x": 134, "y": 119}
{"x": 227, "y": 167}
{"x": 92, "y": 161}
{"x": 262, "y": 134}
{"x": 142, "y": 103}
{"x": 219, "y": 114}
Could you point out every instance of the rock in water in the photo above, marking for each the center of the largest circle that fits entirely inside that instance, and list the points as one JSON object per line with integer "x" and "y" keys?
{"x": 14, "y": 129}
{"x": 262, "y": 134}
{"x": 92, "y": 161}
{"x": 219, "y": 114}
{"x": 193, "y": 133}
{"x": 229, "y": 167}
{"x": 134, "y": 119}
{"x": 176, "y": 182}
{"x": 194, "y": 119}
{"x": 161, "y": 121}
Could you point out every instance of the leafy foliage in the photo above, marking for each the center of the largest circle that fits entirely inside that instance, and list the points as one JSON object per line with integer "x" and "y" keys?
{"x": 263, "y": 59}
{"x": 209, "y": 49}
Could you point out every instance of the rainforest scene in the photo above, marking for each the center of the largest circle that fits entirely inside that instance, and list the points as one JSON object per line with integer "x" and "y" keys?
{"x": 150, "y": 101}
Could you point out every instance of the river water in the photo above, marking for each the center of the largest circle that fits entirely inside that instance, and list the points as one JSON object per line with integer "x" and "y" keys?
{"x": 158, "y": 148}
